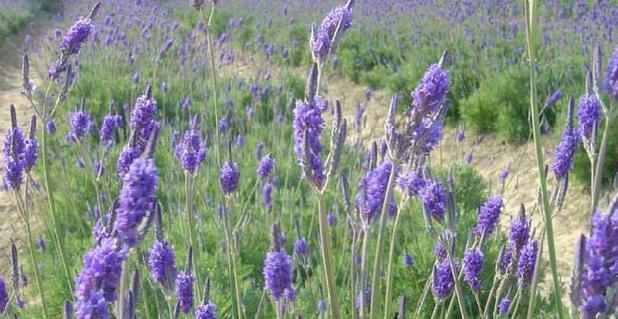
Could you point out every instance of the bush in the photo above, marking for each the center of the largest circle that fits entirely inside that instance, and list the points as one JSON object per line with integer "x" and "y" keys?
{"x": 500, "y": 105}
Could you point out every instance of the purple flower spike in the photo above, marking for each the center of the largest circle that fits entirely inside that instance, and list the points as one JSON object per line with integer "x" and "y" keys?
{"x": 372, "y": 192}
{"x": 488, "y": 216}
{"x": 301, "y": 248}
{"x": 13, "y": 151}
{"x": 611, "y": 82}
{"x": 473, "y": 265}
{"x": 504, "y": 306}
{"x": 229, "y": 177}
{"x": 434, "y": 199}
{"x": 526, "y": 263}
{"x": 4, "y": 296}
{"x": 267, "y": 199}
{"x": 340, "y": 15}
{"x": 266, "y": 166}
{"x": 443, "y": 283}
{"x": 184, "y": 291}
{"x": 76, "y": 35}
{"x": 589, "y": 114}
{"x": 408, "y": 259}
{"x": 320, "y": 44}
{"x": 431, "y": 91}
{"x": 411, "y": 183}
{"x": 308, "y": 123}
{"x": 277, "y": 268}
{"x": 162, "y": 263}
{"x": 563, "y": 160}
{"x": 191, "y": 151}
{"x": 110, "y": 123}
{"x": 143, "y": 119}
{"x": 206, "y": 311}
{"x": 137, "y": 197}
{"x": 51, "y": 126}
{"x": 99, "y": 279}
{"x": 81, "y": 124}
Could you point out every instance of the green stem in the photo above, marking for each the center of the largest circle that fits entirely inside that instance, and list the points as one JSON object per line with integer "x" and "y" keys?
{"x": 530, "y": 35}
{"x": 327, "y": 262}
{"x": 535, "y": 277}
{"x": 52, "y": 207}
{"x": 33, "y": 260}
{"x": 213, "y": 74}
{"x": 421, "y": 302}
{"x": 600, "y": 163}
{"x": 389, "y": 272}
{"x": 192, "y": 241}
{"x": 375, "y": 279}
{"x": 363, "y": 272}
{"x": 232, "y": 259}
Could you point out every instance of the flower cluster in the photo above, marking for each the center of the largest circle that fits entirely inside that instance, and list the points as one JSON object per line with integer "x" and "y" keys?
{"x": 488, "y": 216}
{"x": 434, "y": 198}
{"x": 81, "y": 124}
{"x": 77, "y": 34}
{"x": 372, "y": 192}
{"x": 611, "y": 82}
{"x": 111, "y": 122}
{"x": 589, "y": 115}
{"x": 472, "y": 266}
{"x": 308, "y": 125}
{"x": 184, "y": 291}
{"x": 162, "y": 263}
{"x": 191, "y": 151}
{"x": 13, "y": 150}
{"x": 229, "y": 177}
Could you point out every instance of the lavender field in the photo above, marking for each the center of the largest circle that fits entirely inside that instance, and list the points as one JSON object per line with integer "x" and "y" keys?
{"x": 309, "y": 159}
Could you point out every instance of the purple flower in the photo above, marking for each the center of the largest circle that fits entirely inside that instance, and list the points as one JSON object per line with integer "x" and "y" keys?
{"x": 54, "y": 70}
{"x": 372, "y": 192}
{"x": 206, "y": 311}
{"x": 110, "y": 123}
{"x": 553, "y": 98}
{"x": 30, "y": 156}
{"x": 443, "y": 283}
{"x": 277, "y": 273}
{"x": 191, "y": 151}
{"x": 468, "y": 158}
{"x": 472, "y": 267}
{"x": 267, "y": 200}
{"x": 125, "y": 158}
{"x": 611, "y": 82}
{"x": 440, "y": 251}
{"x": 184, "y": 291}
{"x": 366, "y": 295}
{"x": 489, "y": 214}
{"x": 224, "y": 126}
{"x": 308, "y": 123}
{"x": 434, "y": 198}
{"x": 563, "y": 160}
{"x": 504, "y": 259}
{"x": 526, "y": 263}
{"x": 504, "y": 174}
{"x": 13, "y": 151}
{"x": 431, "y": 91}
{"x": 99, "y": 279}
{"x": 504, "y": 306}
{"x": 266, "y": 166}
{"x": 408, "y": 259}
{"x": 162, "y": 263}
{"x": 589, "y": 114}
{"x": 411, "y": 183}
{"x": 76, "y": 35}
{"x": 519, "y": 231}
{"x": 81, "y": 124}
{"x": 51, "y": 126}
{"x": 4, "y": 296}
{"x": 340, "y": 15}
{"x": 137, "y": 197}
{"x": 331, "y": 219}
{"x": 228, "y": 177}
{"x": 320, "y": 44}
{"x": 143, "y": 119}
{"x": 301, "y": 247}
{"x": 259, "y": 148}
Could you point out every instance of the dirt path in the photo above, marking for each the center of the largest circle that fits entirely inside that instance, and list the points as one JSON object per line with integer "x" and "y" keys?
{"x": 11, "y": 224}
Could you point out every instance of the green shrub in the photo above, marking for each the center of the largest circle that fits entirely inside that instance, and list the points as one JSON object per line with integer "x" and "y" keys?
{"x": 500, "y": 105}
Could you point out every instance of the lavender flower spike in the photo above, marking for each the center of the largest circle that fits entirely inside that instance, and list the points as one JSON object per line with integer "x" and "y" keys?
{"x": 77, "y": 34}
{"x": 611, "y": 82}
{"x": 488, "y": 216}
{"x": 162, "y": 263}
{"x": 277, "y": 268}
{"x": 589, "y": 115}
{"x": 266, "y": 166}
{"x": 184, "y": 291}
{"x": 472, "y": 266}
{"x": 434, "y": 199}
{"x": 229, "y": 177}
{"x": 308, "y": 126}
{"x": 191, "y": 151}
{"x": 563, "y": 159}
{"x": 4, "y": 296}
{"x": 13, "y": 151}
{"x": 526, "y": 263}
{"x": 137, "y": 198}
{"x": 443, "y": 283}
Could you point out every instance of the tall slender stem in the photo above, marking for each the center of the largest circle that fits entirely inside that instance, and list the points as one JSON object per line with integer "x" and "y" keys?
{"x": 52, "y": 206}
{"x": 375, "y": 279}
{"x": 33, "y": 260}
{"x": 600, "y": 163}
{"x": 530, "y": 37}
{"x": 389, "y": 272}
{"x": 232, "y": 258}
{"x": 192, "y": 241}
{"x": 327, "y": 262}
{"x": 213, "y": 75}
{"x": 363, "y": 272}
